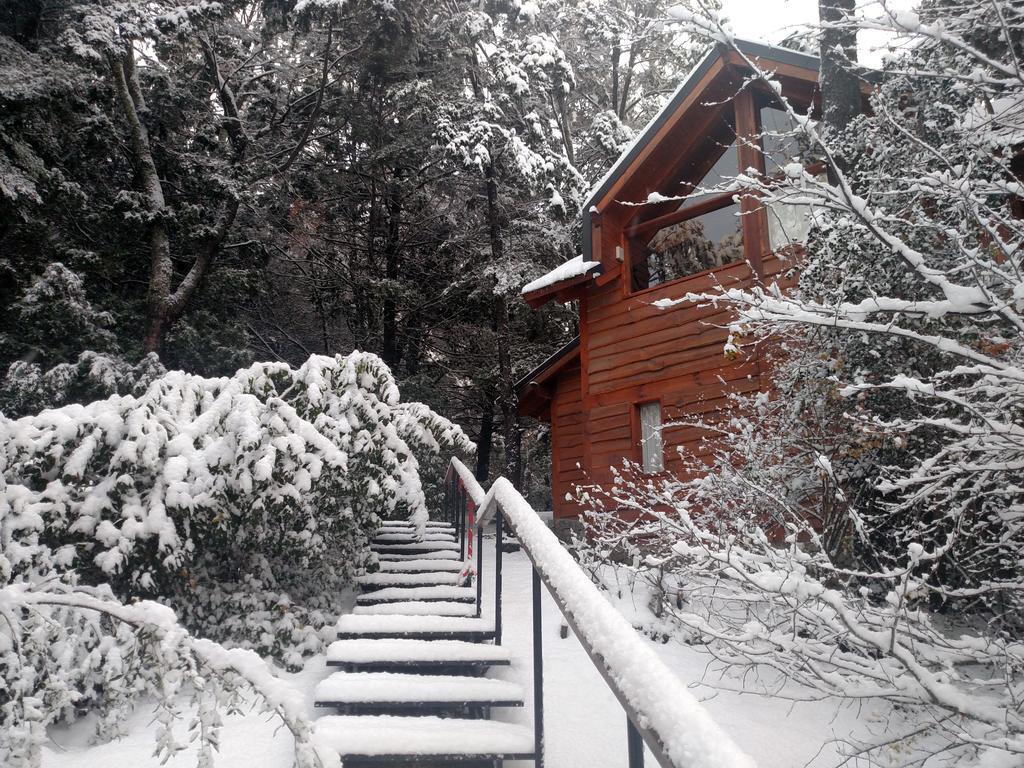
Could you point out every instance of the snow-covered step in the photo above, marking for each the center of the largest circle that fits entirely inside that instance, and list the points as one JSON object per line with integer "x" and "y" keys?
{"x": 417, "y": 546}
{"x": 418, "y": 608}
{"x": 407, "y": 537}
{"x": 421, "y": 594}
{"x": 418, "y": 566}
{"x": 352, "y": 626}
{"x": 381, "y": 689}
{"x": 405, "y": 525}
{"x": 414, "y": 654}
{"x": 387, "y": 738}
{"x": 444, "y": 555}
{"x": 429, "y": 579}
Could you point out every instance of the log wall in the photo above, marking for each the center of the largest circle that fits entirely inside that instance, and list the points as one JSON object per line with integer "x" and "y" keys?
{"x": 633, "y": 352}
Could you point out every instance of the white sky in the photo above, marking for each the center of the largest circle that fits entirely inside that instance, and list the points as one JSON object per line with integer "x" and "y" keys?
{"x": 771, "y": 20}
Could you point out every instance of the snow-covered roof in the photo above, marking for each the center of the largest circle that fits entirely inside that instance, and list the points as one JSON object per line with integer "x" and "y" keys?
{"x": 574, "y": 267}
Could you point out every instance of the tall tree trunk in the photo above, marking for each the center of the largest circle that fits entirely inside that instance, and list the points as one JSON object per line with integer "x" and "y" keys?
{"x": 627, "y": 80}
{"x": 561, "y": 108}
{"x": 500, "y": 323}
{"x": 840, "y": 104}
{"x": 616, "y": 55}
{"x": 485, "y": 440}
{"x": 507, "y": 395}
{"x": 164, "y": 303}
{"x": 129, "y": 94}
{"x": 389, "y": 321}
{"x": 840, "y": 86}
{"x": 411, "y": 352}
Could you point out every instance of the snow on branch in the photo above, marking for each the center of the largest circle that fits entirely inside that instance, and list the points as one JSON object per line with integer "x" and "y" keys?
{"x": 246, "y": 503}
{"x": 665, "y": 708}
{"x": 173, "y": 657}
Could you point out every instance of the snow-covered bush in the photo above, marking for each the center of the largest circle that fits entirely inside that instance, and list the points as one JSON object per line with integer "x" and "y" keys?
{"x": 246, "y": 503}
{"x": 54, "y": 319}
{"x": 861, "y": 528}
{"x": 121, "y": 650}
{"x": 28, "y": 388}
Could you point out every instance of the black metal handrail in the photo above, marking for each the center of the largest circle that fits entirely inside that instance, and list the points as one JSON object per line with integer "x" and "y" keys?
{"x": 660, "y": 712}
{"x": 461, "y": 498}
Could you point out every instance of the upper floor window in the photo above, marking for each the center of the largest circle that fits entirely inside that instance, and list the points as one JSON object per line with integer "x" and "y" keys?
{"x": 784, "y": 143}
{"x": 704, "y": 230}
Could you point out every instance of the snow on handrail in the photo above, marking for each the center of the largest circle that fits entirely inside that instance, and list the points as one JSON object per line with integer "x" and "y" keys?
{"x": 676, "y": 727}
{"x": 473, "y": 488}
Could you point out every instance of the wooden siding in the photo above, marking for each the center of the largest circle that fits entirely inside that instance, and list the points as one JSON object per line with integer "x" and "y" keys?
{"x": 635, "y": 352}
{"x": 568, "y": 426}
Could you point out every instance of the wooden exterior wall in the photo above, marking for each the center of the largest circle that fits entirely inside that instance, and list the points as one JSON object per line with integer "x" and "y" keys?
{"x": 632, "y": 353}
{"x": 567, "y": 437}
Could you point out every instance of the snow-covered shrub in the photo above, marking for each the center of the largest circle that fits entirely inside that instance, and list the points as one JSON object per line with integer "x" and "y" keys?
{"x": 54, "y": 318}
{"x": 246, "y": 503}
{"x": 60, "y": 639}
{"x": 28, "y": 388}
{"x": 861, "y": 527}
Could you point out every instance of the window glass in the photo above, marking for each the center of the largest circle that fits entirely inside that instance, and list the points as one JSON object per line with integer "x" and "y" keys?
{"x": 722, "y": 172}
{"x": 651, "y": 446}
{"x": 783, "y": 143}
{"x": 782, "y": 140}
{"x": 787, "y": 224}
{"x": 700, "y": 243}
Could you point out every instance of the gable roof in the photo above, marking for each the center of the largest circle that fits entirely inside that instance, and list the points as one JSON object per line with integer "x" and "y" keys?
{"x": 749, "y": 48}
{"x": 773, "y": 56}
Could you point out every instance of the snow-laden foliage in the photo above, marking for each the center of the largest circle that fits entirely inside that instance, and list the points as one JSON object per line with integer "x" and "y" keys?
{"x": 861, "y": 528}
{"x": 53, "y": 316}
{"x": 132, "y": 649}
{"x": 246, "y": 503}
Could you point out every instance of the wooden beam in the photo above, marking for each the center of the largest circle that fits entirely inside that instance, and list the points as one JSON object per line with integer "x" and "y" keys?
{"x": 779, "y": 69}
{"x": 708, "y": 205}
{"x": 753, "y": 220}
{"x": 667, "y": 129}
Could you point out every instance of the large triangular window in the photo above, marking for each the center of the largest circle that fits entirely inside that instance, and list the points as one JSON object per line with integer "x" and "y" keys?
{"x": 697, "y": 224}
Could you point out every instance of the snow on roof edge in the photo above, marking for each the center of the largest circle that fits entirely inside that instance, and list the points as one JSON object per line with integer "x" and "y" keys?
{"x": 574, "y": 267}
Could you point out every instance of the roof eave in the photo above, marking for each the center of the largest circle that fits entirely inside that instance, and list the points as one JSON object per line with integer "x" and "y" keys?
{"x": 554, "y": 363}
{"x": 557, "y": 291}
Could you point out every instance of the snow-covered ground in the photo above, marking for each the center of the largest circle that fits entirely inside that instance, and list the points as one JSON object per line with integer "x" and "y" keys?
{"x": 584, "y": 725}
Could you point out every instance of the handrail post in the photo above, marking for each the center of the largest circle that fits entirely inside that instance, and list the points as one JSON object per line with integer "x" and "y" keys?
{"x": 497, "y": 576}
{"x": 446, "y": 509}
{"x": 634, "y": 745}
{"x": 538, "y": 675}
{"x": 479, "y": 569}
{"x": 462, "y": 522}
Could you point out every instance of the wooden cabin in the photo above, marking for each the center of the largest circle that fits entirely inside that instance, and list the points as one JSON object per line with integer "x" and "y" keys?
{"x": 651, "y": 232}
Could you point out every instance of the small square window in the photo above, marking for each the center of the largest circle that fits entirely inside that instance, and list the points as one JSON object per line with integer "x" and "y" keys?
{"x": 651, "y": 447}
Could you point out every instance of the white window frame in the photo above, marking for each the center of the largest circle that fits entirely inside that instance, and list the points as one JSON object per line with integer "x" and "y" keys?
{"x": 652, "y": 446}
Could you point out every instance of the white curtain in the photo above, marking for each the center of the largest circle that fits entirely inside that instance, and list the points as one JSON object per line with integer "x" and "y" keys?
{"x": 650, "y": 437}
